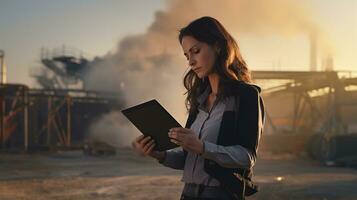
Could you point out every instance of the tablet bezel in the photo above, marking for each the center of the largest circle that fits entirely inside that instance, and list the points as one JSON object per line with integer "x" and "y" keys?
{"x": 136, "y": 115}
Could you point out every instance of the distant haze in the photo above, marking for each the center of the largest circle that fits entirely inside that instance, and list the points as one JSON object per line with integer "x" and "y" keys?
{"x": 150, "y": 65}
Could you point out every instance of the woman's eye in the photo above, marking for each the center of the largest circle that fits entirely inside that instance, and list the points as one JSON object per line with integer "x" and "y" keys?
{"x": 196, "y": 51}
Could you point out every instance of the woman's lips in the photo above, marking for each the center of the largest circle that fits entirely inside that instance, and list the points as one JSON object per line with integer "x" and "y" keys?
{"x": 196, "y": 69}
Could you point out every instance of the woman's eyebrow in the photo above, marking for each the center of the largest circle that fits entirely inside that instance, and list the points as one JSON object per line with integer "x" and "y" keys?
{"x": 195, "y": 45}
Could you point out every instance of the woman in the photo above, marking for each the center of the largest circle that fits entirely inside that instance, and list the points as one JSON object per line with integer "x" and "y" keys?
{"x": 220, "y": 140}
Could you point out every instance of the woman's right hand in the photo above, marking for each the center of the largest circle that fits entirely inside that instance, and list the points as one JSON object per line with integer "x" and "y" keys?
{"x": 145, "y": 145}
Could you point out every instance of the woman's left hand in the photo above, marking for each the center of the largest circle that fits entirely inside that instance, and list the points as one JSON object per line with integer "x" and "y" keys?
{"x": 187, "y": 139}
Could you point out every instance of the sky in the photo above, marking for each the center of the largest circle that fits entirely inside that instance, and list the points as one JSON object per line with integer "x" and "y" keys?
{"x": 96, "y": 27}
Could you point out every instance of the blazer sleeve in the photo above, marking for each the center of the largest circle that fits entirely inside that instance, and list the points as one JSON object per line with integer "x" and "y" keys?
{"x": 250, "y": 123}
{"x": 234, "y": 156}
{"x": 175, "y": 159}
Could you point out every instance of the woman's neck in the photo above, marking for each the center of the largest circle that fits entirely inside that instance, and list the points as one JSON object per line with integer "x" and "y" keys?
{"x": 214, "y": 81}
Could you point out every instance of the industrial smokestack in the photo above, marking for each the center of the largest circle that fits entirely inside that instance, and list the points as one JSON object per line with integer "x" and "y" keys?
{"x": 2, "y": 67}
{"x": 313, "y": 51}
{"x": 328, "y": 63}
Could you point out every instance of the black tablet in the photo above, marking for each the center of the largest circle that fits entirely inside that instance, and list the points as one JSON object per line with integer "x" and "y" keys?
{"x": 153, "y": 120}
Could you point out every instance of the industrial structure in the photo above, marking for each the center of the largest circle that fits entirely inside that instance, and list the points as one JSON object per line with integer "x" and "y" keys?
{"x": 56, "y": 116}
{"x": 307, "y": 111}
{"x": 311, "y": 111}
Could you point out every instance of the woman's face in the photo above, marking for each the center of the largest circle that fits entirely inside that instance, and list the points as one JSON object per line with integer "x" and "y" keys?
{"x": 200, "y": 56}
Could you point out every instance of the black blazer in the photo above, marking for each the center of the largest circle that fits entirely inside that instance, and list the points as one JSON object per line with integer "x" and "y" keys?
{"x": 242, "y": 126}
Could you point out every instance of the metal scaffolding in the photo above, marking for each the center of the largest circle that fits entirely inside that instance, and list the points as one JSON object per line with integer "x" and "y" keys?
{"x": 311, "y": 110}
{"x": 49, "y": 118}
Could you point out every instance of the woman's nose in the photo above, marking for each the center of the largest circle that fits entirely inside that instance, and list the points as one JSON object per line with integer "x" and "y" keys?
{"x": 191, "y": 62}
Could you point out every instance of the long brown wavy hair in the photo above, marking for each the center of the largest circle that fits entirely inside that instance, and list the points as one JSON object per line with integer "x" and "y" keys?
{"x": 229, "y": 64}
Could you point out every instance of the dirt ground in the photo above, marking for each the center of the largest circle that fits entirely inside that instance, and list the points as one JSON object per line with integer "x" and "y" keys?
{"x": 73, "y": 175}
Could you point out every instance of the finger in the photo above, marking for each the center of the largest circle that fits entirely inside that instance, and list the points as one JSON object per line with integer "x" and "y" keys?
{"x": 147, "y": 146}
{"x": 175, "y": 141}
{"x": 181, "y": 130}
{"x": 138, "y": 139}
{"x": 172, "y": 135}
{"x": 145, "y": 140}
{"x": 175, "y": 129}
{"x": 180, "y": 136}
{"x": 150, "y": 149}
{"x": 177, "y": 134}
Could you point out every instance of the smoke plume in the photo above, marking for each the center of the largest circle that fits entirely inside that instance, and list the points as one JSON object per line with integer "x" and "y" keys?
{"x": 151, "y": 65}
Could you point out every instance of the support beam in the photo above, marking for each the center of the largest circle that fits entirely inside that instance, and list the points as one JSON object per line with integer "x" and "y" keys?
{"x": 69, "y": 134}
{"x": 26, "y": 119}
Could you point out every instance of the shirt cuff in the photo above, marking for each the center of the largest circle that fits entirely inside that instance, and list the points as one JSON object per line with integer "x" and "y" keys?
{"x": 203, "y": 148}
{"x": 209, "y": 150}
{"x": 173, "y": 159}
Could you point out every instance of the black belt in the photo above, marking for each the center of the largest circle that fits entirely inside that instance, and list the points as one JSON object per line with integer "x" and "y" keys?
{"x": 199, "y": 191}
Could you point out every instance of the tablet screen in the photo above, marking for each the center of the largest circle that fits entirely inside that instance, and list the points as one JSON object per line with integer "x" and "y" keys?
{"x": 153, "y": 120}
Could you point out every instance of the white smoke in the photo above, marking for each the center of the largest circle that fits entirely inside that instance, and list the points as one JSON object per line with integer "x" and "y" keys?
{"x": 112, "y": 129}
{"x": 151, "y": 65}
